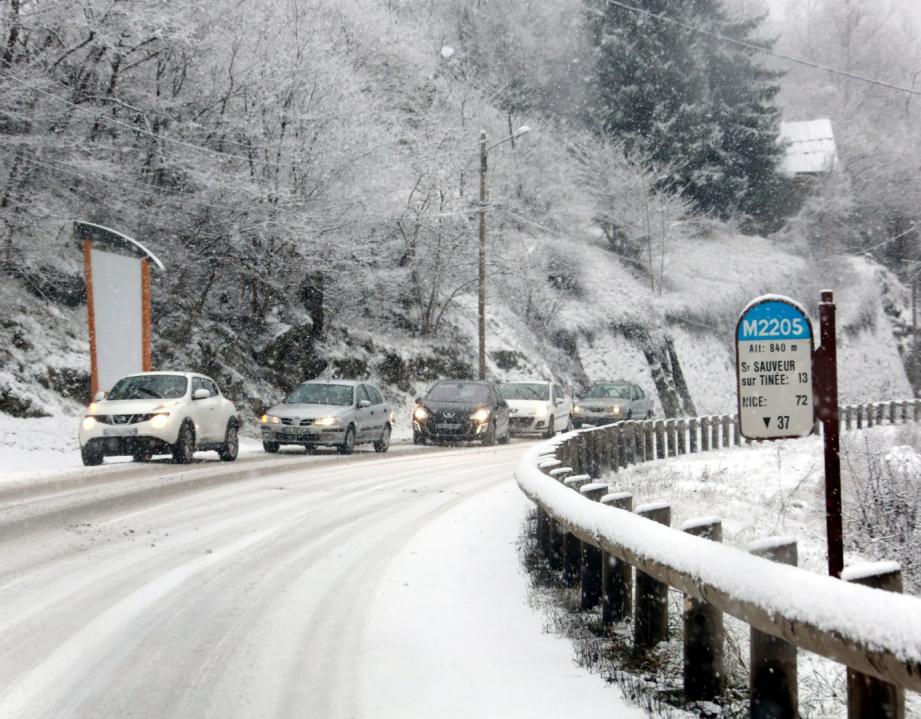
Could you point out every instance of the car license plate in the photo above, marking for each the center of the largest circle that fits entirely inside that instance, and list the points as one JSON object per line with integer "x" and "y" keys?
{"x": 447, "y": 426}
{"x": 119, "y": 432}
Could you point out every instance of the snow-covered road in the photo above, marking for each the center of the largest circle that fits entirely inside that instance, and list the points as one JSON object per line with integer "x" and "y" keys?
{"x": 368, "y": 586}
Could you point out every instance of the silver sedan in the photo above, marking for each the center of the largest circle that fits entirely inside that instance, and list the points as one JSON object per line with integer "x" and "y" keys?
{"x": 339, "y": 413}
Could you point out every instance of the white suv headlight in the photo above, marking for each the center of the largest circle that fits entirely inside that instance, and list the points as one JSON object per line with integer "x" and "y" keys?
{"x": 89, "y": 422}
{"x": 159, "y": 421}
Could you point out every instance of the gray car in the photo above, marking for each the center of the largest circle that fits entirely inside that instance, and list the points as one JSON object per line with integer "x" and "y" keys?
{"x": 339, "y": 413}
{"x": 607, "y": 402}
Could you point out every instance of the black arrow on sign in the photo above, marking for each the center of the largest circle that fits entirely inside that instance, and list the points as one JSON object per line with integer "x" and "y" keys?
{"x": 767, "y": 422}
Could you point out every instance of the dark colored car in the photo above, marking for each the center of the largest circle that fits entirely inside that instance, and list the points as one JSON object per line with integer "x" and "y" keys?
{"x": 461, "y": 411}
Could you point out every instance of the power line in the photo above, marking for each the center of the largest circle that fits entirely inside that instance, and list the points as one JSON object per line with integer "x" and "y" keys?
{"x": 763, "y": 49}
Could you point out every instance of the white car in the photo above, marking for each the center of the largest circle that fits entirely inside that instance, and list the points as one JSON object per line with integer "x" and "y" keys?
{"x": 160, "y": 413}
{"x": 537, "y": 408}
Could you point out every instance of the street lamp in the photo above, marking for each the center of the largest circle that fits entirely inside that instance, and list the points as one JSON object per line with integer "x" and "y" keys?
{"x": 484, "y": 152}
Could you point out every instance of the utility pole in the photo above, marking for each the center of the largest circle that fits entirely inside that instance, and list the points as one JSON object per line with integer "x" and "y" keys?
{"x": 482, "y": 283}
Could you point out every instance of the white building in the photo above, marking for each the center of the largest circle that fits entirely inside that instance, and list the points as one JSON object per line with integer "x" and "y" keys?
{"x": 810, "y": 147}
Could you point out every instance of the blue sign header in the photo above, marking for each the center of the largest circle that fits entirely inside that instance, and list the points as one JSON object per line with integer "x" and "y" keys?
{"x": 773, "y": 319}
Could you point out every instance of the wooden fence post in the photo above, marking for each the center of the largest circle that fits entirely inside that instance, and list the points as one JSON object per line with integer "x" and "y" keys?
{"x": 714, "y": 432}
{"x": 773, "y": 689}
{"x": 736, "y": 431}
{"x": 629, "y": 443}
{"x": 650, "y": 615}
{"x": 904, "y": 412}
{"x": 917, "y": 412}
{"x": 703, "y": 630}
{"x": 870, "y": 412}
{"x": 692, "y": 435}
{"x": 671, "y": 438}
{"x": 590, "y": 567}
{"x": 849, "y": 417}
{"x": 892, "y": 412}
{"x": 616, "y": 576}
{"x": 727, "y": 442}
{"x": 572, "y": 545}
{"x": 704, "y": 434}
{"x": 682, "y": 436}
{"x": 868, "y": 696}
{"x": 660, "y": 439}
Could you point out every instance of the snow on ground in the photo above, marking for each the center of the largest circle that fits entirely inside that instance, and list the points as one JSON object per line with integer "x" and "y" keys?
{"x": 453, "y": 612}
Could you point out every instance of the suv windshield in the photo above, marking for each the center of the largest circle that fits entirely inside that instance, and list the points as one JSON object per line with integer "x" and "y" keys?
{"x": 526, "y": 390}
{"x": 338, "y": 394}
{"x": 616, "y": 391}
{"x": 155, "y": 386}
{"x": 458, "y": 392}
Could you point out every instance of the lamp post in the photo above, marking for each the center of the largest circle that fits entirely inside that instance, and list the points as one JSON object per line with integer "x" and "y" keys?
{"x": 481, "y": 309}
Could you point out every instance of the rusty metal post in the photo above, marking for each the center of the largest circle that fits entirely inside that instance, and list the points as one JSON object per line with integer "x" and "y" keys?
{"x": 825, "y": 400}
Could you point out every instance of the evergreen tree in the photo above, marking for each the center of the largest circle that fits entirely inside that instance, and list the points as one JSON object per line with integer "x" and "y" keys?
{"x": 691, "y": 101}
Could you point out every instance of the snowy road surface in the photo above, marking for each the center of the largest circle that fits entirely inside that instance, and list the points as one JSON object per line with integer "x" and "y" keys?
{"x": 368, "y": 586}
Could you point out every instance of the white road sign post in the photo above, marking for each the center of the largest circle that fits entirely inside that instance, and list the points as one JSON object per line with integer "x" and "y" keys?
{"x": 774, "y": 344}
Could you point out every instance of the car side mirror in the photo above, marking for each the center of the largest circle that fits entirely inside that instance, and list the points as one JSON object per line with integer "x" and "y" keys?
{"x": 201, "y": 393}
{"x": 418, "y": 400}
{"x": 362, "y": 403}
{"x": 99, "y": 396}
{"x": 558, "y": 401}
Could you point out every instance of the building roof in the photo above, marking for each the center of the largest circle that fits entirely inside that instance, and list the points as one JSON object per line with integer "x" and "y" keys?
{"x": 810, "y": 147}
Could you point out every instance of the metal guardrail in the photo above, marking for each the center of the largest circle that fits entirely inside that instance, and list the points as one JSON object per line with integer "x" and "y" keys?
{"x": 596, "y": 541}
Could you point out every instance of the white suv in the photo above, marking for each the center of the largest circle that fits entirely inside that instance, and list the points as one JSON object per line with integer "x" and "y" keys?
{"x": 537, "y": 407}
{"x": 160, "y": 413}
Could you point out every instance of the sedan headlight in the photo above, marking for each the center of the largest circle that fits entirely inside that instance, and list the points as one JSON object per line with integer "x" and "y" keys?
{"x": 540, "y": 411}
{"x": 89, "y": 422}
{"x": 270, "y": 419}
{"x": 481, "y": 415}
{"x": 615, "y": 409}
{"x": 577, "y": 409}
{"x": 159, "y": 421}
{"x": 326, "y": 421}
{"x": 420, "y": 413}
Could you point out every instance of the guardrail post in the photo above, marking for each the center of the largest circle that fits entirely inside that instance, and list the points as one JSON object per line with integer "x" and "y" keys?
{"x": 692, "y": 435}
{"x": 620, "y": 445}
{"x": 670, "y": 437}
{"x": 660, "y": 439}
{"x": 590, "y": 566}
{"x": 647, "y": 441}
{"x": 858, "y": 411}
{"x": 610, "y": 461}
{"x": 572, "y": 546}
{"x": 868, "y": 696}
{"x": 682, "y": 436}
{"x": 917, "y": 412}
{"x": 849, "y": 417}
{"x": 904, "y": 414}
{"x": 736, "y": 431}
{"x": 629, "y": 443}
{"x": 870, "y": 414}
{"x": 892, "y": 412}
{"x": 714, "y": 432}
{"x": 616, "y": 575}
{"x": 546, "y": 527}
{"x": 650, "y": 615}
{"x": 703, "y": 630}
{"x": 704, "y": 434}
{"x": 727, "y": 442}
{"x": 773, "y": 687}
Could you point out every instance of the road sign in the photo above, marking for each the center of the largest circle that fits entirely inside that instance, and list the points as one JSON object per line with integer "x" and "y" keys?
{"x": 774, "y": 344}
